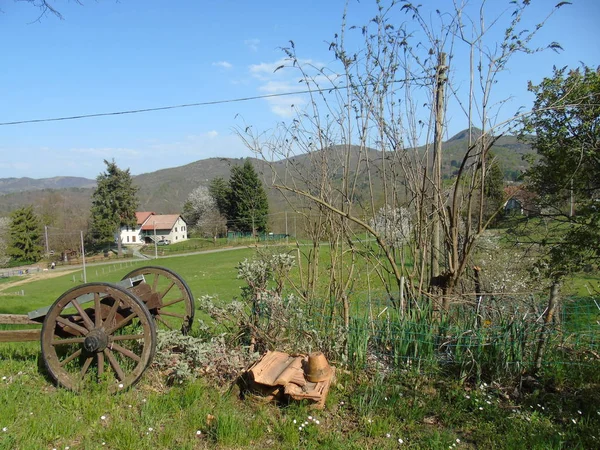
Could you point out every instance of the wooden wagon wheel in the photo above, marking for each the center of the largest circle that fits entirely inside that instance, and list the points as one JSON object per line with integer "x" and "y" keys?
{"x": 98, "y": 332}
{"x": 174, "y": 307}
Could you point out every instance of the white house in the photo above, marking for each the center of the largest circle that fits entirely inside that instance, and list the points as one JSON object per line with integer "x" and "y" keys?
{"x": 169, "y": 227}
{"x": 159, "y": 227}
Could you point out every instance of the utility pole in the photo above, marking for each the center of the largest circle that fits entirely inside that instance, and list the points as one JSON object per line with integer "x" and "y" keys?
{"x": 155, "y": 244}
{"x": 46, "y": 236}
{"x": 437, "y": 204}
{"x": 572, "y": 201}
{"x": 83, "y": 258}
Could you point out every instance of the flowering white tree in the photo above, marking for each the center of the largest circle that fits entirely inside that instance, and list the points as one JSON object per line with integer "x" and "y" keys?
{"x": 4, "y": 227}
{"x": 394, "y": 224}
{"x": 201, "y": 213}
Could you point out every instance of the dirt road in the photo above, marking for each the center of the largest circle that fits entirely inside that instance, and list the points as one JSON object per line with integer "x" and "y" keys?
{"x": 35, "y": 277}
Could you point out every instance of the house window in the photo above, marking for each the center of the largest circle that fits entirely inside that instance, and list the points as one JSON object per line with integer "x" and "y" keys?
{"x": 133, "y": 238}
{"x": 175, "y": 229}
{"x": 127, "y": 238}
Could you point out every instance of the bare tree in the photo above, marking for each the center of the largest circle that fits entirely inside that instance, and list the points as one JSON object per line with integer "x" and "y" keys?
{"x": 47, "y": 7}
{"x": 371, "y": 138}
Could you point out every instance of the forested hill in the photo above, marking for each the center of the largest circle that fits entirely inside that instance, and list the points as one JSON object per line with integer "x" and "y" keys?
{"x": 8, "y": 185}
{"x": 165, "y": 191}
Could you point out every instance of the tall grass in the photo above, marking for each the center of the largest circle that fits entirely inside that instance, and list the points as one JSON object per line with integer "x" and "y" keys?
{"x": 496, "y": 343}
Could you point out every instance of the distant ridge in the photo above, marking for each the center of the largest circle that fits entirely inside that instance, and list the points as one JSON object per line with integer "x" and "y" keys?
{"x": 8, "y": 185}
{"x": 166, "y": 190}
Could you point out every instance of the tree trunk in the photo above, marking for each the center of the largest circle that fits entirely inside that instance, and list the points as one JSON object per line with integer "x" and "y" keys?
{"x": 119, "y": 243}
{"x": 548, "y": 315}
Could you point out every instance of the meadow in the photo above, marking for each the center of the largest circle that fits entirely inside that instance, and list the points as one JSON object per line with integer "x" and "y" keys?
{"x": 387, "y": 404}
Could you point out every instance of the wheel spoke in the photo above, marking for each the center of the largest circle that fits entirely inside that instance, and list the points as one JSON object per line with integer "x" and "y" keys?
{"x": 122, "y": 323}
{"x": 86, "y": 366}
{"x": 97, "y": 310}
{"x": 114, "y": 364}
{"x": 86, "y": 319}
{"x": 155, "y": 282}
{"x": 126, "y": 352}
{"x": 159, "y": 319}
{"x": 113, "y": 311}
{"x": 100, "y": 364}
{"x": 66, "y": 361}
{"x": 73, "y": 325}
{"x": 167, "y": 290}
{"x": 172, "y": 302}
{"x": 170, "y": 314}
{"x": 126, "y": 337}
{"x": 76, "y": 340}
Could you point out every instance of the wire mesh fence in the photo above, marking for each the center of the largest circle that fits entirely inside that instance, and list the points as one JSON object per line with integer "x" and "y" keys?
{"x": 489, "y": 337}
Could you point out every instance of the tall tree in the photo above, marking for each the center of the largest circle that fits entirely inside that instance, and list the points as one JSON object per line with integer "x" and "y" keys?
{"x": 4, "y": 233}
{"x": 493, "y": 189}
{"x": 25, "y": 235}
{"x": 247, "y": 200}
{"x": 566, "y": 127}
{"x": 219, "y": 191}
{"x": 201, "y": 214}
{"x": 114, "y": 203}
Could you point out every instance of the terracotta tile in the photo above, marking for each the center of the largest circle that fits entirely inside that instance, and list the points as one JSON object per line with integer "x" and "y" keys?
{"x": 270, "y": 367}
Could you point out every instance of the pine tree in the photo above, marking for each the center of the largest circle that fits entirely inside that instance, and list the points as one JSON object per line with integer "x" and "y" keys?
{"x": 247, "y": 200}
{"x": 25, "y": 236}
{"x": 219, "y": 191}
{"x": 114, "y": 204}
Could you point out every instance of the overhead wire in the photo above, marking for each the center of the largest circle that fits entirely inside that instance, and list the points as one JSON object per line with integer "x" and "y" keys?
{"x": 187, "y": 105}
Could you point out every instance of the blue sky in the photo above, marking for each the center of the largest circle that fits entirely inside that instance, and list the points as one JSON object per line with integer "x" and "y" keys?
{"x": 133, "y": 54}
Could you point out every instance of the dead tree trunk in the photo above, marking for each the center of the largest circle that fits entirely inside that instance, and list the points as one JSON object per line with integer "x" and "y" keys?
{"x": 548, "y": 316}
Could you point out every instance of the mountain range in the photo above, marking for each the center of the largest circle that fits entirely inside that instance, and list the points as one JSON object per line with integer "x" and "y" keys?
{"x": 165, "y": 191}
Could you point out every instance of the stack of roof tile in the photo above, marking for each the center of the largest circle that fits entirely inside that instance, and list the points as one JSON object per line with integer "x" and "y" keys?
{"x": 280, "y": 376}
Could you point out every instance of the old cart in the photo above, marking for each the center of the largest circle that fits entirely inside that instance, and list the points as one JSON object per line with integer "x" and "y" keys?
{"x": 105, "y": 332}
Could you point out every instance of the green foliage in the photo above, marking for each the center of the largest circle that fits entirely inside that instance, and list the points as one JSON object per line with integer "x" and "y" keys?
{"x": 494, "y": 187}
{"x": 25, "y": 235}
{"x": 114, "y": 203}
{"x": 566, "y": 123}
{"x": 247, "y": 200}
{"x": 219, "y": 191}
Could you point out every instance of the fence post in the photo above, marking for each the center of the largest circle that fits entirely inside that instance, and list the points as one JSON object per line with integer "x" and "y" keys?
{"x": 548, "y": 315}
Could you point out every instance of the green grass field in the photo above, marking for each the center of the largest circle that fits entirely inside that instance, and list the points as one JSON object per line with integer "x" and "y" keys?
{"x": 365, "y": 409}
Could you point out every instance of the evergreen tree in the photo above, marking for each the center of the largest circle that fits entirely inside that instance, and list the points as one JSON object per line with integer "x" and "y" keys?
{"x": 25, "y": 235}
{"x": 219, "y": 191}
{"x": 247, "y": 200}
{"x": 494, "y": 189}
{"x": 114, "y": 204}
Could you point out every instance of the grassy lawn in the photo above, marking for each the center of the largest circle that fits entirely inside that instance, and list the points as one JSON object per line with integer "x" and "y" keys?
{"x": 366, "y": 409}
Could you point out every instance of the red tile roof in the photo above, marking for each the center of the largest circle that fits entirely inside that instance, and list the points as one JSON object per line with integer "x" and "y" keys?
{"x": 162, "y": 222}
{"x": 141, "y": 217}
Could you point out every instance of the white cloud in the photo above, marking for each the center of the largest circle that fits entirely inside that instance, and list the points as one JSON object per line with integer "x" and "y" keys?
{"x": 223, "y": 64}
{"x": 267, "y": 70}
{"x": 276, "y": 79}
{"x": 252, "y": 44}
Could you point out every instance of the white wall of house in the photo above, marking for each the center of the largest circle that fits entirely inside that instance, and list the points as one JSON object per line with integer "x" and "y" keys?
{"x": 179, "y": 231}
{"x": 132, "y": 235}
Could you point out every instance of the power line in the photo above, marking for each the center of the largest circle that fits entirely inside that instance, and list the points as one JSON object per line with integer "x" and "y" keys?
{"x": 164, "y": 108}
{"x": 191, "y": 105}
